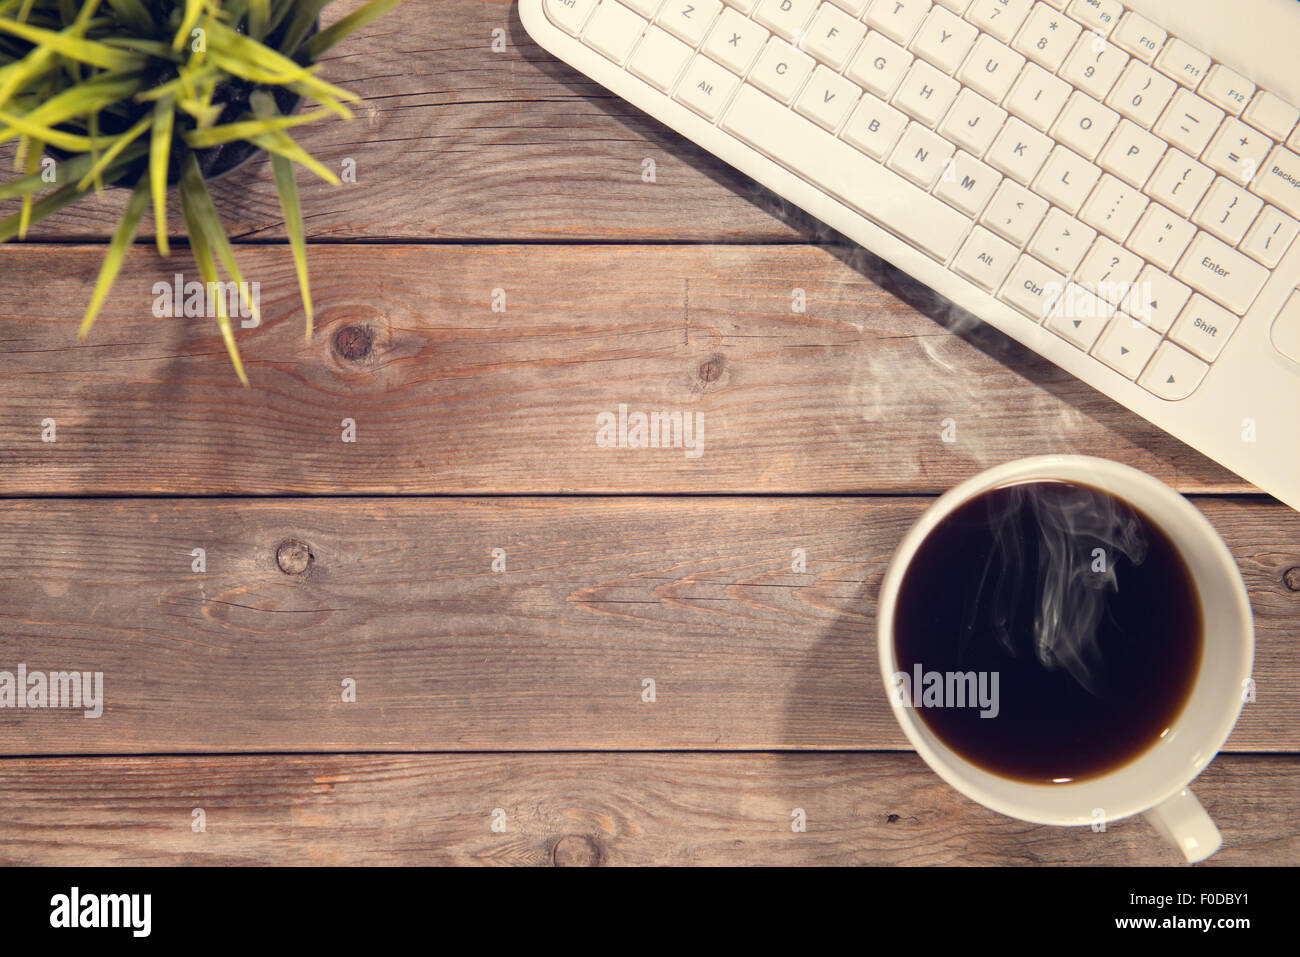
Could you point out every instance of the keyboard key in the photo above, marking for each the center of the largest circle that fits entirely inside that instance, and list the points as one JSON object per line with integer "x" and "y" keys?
{"x": 613, "y": 30}
{"x": 1014, "y": 212}
{"x": 897, "y": 19}
{"x": 647, "y": 8}
{"x": 827, "y": 98}
{"x": 706, "y": 86}
{"x": 1182, "y": 62}
{"x": 854, "y": 7}
{"x": 1037, "y": 96}
{"x": 1272, "y": 114}
{"x": 1126, "y": 346}
{"x": 735, "y": 41}
{"x": 1227, "y": 211}
{"x": 781, "y": 69}
{"x": 689, "y": 20}
{"x": 1061, "y": 241}
{"x": 879, "y": 65}
{"x": 1114, "y": 208}
{"x": 1132, "y": 153}
{"x": 1227, "y": 89}
{"x": 1001, "y": 18}
{"x": 1221, "y": 273}
{"x": 1161, "y": 236}
{"x": 925, "y": 93}
{"x": 1019, "y": 150}
{"x": 1204, "y": 328}
{"x": 660, "y": 59}
{"x": 1109, "y": 271}
{"x": 785, "y": 18}
{"x": 1173, "y": 373}
{"x": 985, "y": 260}
{"x": 911, "y": 214}
{"x": 967, "y": 184}
{"x": 1189, "y": 122}
{"x": 1286, "y": 329}
{"x": 875, "y": 127}
{"x": 972, "y": 122}
{"x": 1085, "y": 125}
{"x": 1270, "y": 237}
{"x": 1139, "y": 36}
{"x": 1099, "y": 16}
{"x": 1279, "y": 180}
{"x": 1032, "y": 288}
{"x": 920, "y": 155}
{"x": 991, "y": 68}
{"x": 1046, "y": 37}
{"x": 1066, "y": 179}
{"x": 944, "y": 39}
{"x": 570, "y": 15}
{"x": 1237, "y": 151}
{"x": 1141, "y": 93}
{"x": 1094, "y": 65}
{"x": 1180, "y": 182}
{"x": 1078, "y": 317}
{"x": 1156, "y": 298}
{"x": 833, "y": 36}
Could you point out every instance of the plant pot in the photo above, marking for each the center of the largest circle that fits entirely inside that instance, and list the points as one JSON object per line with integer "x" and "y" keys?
{"x": 214, "y": 161}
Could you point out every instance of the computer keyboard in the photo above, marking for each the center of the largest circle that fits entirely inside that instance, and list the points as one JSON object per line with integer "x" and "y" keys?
{"x": 1120, "y": 199}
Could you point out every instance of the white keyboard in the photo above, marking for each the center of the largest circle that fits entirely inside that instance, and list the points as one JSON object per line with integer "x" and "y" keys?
{"x": 1094, "y": 180}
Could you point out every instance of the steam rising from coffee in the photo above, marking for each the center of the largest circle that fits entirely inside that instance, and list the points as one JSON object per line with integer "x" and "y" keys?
{"x": 1073, "y": 580}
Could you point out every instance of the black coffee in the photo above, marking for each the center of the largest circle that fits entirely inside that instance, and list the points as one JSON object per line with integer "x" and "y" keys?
{"x": 1048, "y": 632}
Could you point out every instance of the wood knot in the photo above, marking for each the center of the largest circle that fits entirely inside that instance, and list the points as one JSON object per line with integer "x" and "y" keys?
{"x": 353, "y": 342}
{"x": 576, "y": 850}
{"x": 1291, "y": 578}
{"x": 294, "y": 557}
{"x": 711, "y": 370}
{"x": 891, "y": 819}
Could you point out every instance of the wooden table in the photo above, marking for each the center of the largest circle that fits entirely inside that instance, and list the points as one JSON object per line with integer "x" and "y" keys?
{"x": 503, "y": 715}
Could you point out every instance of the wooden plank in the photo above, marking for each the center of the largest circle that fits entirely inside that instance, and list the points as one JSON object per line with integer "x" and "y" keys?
{"x": 449, "y": 396}
{"x": 456, "y": 140}
{"x": 399, "y": 595}
{"x": 566, "y": 809}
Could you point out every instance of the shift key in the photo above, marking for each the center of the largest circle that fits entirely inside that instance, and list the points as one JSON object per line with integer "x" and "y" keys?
{"x": 1221, "y": 273}
{"x": 881, "y": 195}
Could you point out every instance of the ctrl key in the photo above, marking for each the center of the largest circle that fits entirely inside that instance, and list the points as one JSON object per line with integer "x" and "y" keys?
{"x": 1032, "y": 288}
{"x": 1174, "y": 373}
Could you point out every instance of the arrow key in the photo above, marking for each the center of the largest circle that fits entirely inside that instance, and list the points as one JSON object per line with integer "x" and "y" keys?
{"x": 1078, "y": 316}
{"x": 1174, "y": 373}
{"x": 1156, "y": 299}
{"x": 1126, "y": 345}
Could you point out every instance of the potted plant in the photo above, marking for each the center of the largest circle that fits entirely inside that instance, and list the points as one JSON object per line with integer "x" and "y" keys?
{"x": 149, "y": 94}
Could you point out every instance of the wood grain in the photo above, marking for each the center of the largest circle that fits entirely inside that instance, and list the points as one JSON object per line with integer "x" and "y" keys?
{"x": 598, "y": 594}
{"x": 573, "y": 809}
{"x": 451, "y": 397}
{"x": 456, "y": 141}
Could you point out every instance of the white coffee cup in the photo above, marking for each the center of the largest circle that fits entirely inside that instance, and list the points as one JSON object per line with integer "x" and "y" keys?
{"x": 1155, "y": 782}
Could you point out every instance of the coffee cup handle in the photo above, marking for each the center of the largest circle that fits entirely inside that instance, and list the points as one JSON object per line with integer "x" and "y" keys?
{"x": 1182, "y": 822}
